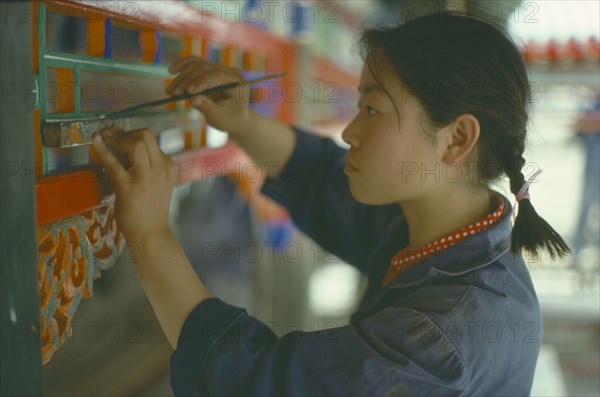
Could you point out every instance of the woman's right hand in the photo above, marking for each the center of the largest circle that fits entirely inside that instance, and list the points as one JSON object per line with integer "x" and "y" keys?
{"x": 227, "y": 110}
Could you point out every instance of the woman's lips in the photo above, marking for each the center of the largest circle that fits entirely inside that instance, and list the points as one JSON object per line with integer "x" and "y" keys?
{"x": 349, "y": 167}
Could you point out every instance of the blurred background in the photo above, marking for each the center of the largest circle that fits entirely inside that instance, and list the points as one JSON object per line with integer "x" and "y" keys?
{"x": 118, "y": 348}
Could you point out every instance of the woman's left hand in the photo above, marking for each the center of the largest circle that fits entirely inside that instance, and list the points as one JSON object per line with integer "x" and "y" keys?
{"x": 143, "y": 178}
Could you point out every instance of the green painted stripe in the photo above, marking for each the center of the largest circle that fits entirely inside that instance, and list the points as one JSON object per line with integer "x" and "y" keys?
{"x": 91, "y": 116}
{"x": 64, "y": 60}
{"x": 42, "y": 72}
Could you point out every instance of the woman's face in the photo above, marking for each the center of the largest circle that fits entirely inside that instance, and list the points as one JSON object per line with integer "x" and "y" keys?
{"x": 391, "y": 159}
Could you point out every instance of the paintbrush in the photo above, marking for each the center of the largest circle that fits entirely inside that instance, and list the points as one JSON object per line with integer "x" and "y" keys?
{"x": 78, "y": 131}
{"x": 186, "y": 95}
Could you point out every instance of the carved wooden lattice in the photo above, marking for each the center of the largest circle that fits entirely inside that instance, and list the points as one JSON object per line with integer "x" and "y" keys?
{"x": 72, "y": 254}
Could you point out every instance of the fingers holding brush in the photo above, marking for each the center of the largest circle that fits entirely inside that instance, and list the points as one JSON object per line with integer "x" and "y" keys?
{"x": 227, "y": 109}
{"x": 143, "y": 178}
{"x": 189, "y": 71}
{"x": 107, "y": 158}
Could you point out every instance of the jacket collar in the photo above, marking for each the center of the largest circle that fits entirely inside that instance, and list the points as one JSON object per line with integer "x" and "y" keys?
{"x": 471, "y": 253}
{"x": 474, "y": 252}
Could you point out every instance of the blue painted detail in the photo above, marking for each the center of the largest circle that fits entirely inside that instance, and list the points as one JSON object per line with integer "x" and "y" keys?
{"x": 278, "y": 233}
{"x": 253, "y": 8}
{"x": 214, "y": 54}
{"x": 301, "y": 23}
{"x": 158, "y": 56}
{"x": 107, "y": 38}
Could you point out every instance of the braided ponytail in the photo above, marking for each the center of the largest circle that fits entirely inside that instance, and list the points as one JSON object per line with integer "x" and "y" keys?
{"x": 530, "y": 231}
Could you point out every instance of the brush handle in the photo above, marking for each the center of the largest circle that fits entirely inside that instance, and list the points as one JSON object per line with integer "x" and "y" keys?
{"x": 186, "y": 95}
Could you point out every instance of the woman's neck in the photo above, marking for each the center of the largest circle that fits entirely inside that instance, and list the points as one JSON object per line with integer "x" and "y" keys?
{"x": 432, "y": 218}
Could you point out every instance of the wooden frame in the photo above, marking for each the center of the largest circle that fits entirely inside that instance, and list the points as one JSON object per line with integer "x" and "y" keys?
{"x": 20, "y": 366}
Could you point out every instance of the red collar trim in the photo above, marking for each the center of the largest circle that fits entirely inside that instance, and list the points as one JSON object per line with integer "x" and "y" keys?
{"x": 406, "y": 258}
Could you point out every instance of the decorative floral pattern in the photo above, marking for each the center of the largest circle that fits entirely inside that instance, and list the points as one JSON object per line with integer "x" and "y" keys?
{"x": 72, "y": 254}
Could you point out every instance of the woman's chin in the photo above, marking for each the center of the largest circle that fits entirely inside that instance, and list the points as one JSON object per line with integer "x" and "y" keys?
{"x": 367, "y": 196}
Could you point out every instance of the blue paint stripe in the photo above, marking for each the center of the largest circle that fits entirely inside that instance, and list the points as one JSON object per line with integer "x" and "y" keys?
{"x": 214, "y": 54}
{"x": 158, "y": 56}
{"x": 107, "y": 38}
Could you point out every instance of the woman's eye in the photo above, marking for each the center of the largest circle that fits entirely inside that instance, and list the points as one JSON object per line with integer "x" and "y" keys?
{"x": 370, "y": 110}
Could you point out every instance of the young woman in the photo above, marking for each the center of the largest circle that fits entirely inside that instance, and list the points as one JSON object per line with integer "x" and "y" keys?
{"x": 450, "y": 308}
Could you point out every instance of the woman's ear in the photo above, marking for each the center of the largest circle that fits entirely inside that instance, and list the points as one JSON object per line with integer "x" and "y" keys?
{"x": 464, "y": 135}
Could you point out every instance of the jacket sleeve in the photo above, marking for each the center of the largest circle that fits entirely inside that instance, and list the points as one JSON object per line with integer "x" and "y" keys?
{"x": 315, "y": 191}
{"x": 222, "y": 351}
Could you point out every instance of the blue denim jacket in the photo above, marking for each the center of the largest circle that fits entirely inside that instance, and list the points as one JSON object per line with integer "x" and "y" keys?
{"x": 464, "y": 322}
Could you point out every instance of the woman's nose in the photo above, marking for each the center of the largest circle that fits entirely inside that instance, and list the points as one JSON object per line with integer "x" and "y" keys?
{"x": 350, "y": 134}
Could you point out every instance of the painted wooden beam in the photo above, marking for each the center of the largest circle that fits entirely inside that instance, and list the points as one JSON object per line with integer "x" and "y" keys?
{"x": 60, "y": 131}
{"x": 76, "y": 191}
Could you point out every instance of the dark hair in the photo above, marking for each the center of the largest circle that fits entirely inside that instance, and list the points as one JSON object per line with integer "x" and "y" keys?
{"x": 454, "y": 65}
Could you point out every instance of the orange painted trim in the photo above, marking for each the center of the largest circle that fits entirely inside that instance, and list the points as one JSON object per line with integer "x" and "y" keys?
{"x": 187, "y": 46}
{"x": 229, "y": 54}
{"x": 253, "y": 62}
{"x": 203, "y": 48}
{"x": 62, "y": 196}
{"x": 65, "y": 85}
{"x": 260, "y": 62}
{"x": 59, "y": 197}
{"x": 148, "y": 45}
{"x": 286, "y": 61}
{"x": 247, "y": 61}
{"x": 95, "y": 37}
{"x": 187, "y": 139}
